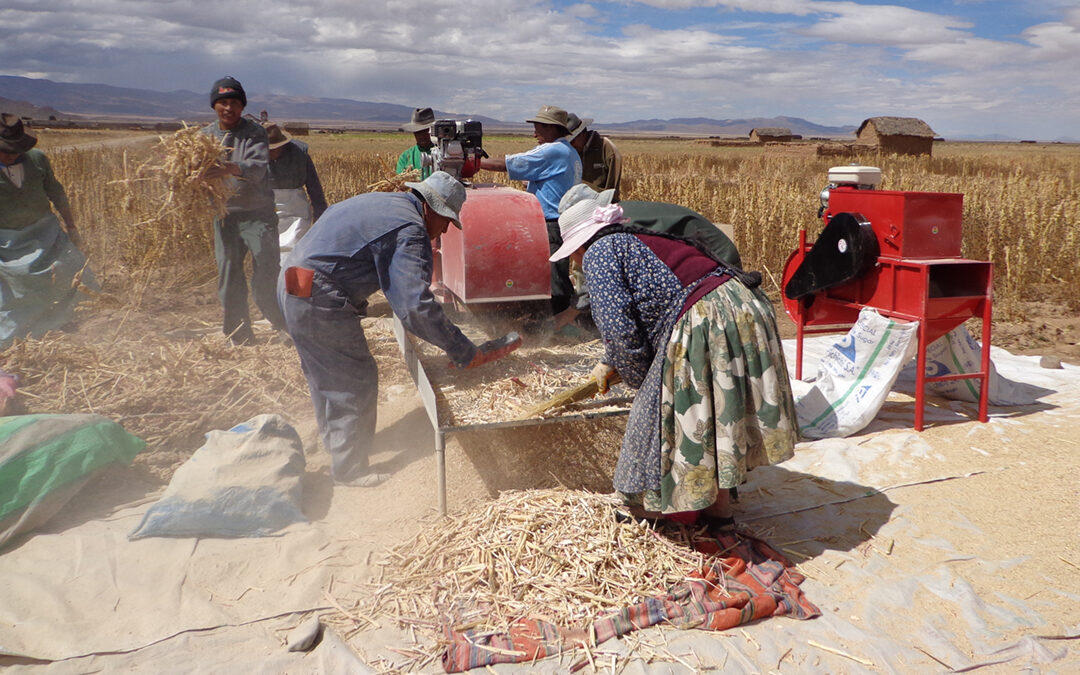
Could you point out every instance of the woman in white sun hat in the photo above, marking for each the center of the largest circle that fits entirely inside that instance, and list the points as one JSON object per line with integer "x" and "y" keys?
{"x": 699, "y": 341}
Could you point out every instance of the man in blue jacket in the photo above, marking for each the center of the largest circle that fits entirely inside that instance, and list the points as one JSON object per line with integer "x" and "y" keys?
{"x": 551, "y": 168}
{"x": 370, "y": 242}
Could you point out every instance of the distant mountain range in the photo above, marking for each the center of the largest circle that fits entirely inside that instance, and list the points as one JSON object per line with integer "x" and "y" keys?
{"x": 41, "y": 99}
{"x": 44, "y": 98}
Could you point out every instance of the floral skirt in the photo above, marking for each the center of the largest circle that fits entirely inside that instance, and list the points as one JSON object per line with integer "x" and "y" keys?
{"x": 726, "y": 404}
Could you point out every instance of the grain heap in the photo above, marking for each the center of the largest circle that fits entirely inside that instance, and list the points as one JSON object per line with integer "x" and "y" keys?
{"x": 501, "y": 391}
{"x": 557, "y": 554}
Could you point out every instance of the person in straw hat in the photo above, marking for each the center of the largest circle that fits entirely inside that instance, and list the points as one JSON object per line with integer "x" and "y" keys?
{"x": 550, "y": 168}
{"x": 413, "y": 158}
{"x": 41, "y": 264}
{"x": 370, "y": 242}
{"x": 698, "y": 339}
{"x": 298, "y": 192}
{"x": 601, "y": 161}
{"x": 250, "y": 221}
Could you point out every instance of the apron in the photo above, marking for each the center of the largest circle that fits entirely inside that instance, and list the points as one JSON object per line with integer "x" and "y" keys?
{"x": 294, "y": 217}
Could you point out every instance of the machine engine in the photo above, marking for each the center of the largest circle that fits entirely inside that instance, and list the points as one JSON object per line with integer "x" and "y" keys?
{"x": 458, "y": 147}
{"x": 501, "y": 253}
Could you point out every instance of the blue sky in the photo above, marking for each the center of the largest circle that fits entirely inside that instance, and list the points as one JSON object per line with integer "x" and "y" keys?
{"x": 967, "y": 67}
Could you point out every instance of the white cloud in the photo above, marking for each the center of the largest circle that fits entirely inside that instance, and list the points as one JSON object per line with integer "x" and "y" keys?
{"x": 831, "y": 62}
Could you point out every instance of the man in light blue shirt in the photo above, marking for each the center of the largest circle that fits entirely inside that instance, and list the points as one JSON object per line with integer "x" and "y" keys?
{"x": 551, "y": 168}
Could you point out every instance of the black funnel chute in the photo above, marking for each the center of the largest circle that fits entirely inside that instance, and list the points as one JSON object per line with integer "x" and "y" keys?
{"x": 845, "y": 250}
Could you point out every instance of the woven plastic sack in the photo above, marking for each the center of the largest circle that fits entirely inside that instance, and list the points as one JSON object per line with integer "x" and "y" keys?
{"x": 855, "y": 376}
{"x": 958, "y": 352}
{"x": 244, "y": 482}
{"x": 46, "y": 459}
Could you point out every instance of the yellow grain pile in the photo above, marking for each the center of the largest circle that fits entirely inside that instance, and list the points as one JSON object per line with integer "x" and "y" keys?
{"x": 554, "y": 554}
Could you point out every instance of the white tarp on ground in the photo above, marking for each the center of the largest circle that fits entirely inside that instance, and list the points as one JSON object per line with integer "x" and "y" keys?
{"x": 898, "y": 589}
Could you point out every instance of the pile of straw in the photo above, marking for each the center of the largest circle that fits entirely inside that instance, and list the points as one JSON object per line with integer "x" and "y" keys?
{"x": 556, "y": 554}
{"x": 167, "y": 392}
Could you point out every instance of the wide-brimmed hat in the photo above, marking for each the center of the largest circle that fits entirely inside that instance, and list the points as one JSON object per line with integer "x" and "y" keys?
{"x": 13, "y": 137}
{"x": 422, "y": 118}
{"x": 577, "y": 221}
{"x": 549, "y": 114}
{"x": 276, "y": 136}
{"x": 443, "y": 193}
{"x": 575, "y": 125}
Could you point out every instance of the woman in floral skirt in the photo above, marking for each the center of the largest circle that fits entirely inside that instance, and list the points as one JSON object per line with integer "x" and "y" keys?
{"x": 699, "y": 341}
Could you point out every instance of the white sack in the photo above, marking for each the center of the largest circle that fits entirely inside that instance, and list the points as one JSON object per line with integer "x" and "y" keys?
{"x": 855, "y": 376}
{"x": 957, "y": 352}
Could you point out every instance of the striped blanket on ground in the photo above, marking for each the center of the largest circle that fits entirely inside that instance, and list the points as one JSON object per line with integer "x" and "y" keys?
{"x": 752, "y": 582}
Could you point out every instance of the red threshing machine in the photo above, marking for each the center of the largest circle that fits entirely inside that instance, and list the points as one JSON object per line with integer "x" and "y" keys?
{"x": 501, "y": 253}
{"x": 898, "y": 253}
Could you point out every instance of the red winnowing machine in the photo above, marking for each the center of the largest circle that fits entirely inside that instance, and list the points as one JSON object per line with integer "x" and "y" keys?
{"x": 897, "y": 252}
{"x": 501, "y": 253}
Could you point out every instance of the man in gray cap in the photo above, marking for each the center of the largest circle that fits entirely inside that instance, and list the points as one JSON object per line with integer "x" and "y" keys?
{"x": 413, "y": 158}
{"x": 551, "y": 168}
{"x": 370, "y": 242}
{"x": 601, "y": 162}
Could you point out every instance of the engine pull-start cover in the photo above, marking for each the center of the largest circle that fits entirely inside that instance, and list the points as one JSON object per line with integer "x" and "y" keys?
{"x": 846, "y": 249}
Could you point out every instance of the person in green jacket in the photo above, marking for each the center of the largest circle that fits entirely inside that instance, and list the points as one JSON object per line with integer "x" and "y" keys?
{"x": 41, "y": 264}
{"x": 413, "y": 158}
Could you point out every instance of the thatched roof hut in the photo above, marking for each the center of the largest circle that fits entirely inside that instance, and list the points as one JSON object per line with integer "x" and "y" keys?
{"x": 770, "y": 134}
{"x": 900, "y": 135}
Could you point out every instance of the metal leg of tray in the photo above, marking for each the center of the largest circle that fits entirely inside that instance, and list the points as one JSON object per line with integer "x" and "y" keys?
{"x": 440, "y": 467}
{"x": 427, "y": 395}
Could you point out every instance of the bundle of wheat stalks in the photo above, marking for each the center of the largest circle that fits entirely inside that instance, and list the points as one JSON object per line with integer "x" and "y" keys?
{"x": 178, "y": 168}
{"x": 557, "y": 554}
{"x": 395, "y": 182}
{"x": 188, "y": 154}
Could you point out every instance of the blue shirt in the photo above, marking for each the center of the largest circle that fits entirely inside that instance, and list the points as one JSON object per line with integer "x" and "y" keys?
{"x": 378, "y": 241}
{"x": 551, "y": 169}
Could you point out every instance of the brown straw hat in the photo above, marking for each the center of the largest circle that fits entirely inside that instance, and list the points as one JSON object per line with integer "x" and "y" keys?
{"x": 277, "y": 136}
{"x": 13, "y": 137}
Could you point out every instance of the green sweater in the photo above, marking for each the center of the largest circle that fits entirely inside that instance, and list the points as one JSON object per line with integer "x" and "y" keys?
{"x": 413, "y": 158}
{"x": 21, "y": 207}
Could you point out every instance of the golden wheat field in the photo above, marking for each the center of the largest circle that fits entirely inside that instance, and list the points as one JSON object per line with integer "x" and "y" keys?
{"x": 1021, "y": 201}
{"x": 148, "y": 352}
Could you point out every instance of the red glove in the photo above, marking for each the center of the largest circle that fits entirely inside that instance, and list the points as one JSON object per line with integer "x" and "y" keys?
{"x": 493, "y": 350}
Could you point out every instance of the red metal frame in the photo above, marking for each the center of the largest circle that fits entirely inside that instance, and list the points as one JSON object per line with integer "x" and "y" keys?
{"x": 927, "y": 284}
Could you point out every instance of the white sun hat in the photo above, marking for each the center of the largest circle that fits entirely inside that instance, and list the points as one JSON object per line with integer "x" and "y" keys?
{"x": 582, "y": 213}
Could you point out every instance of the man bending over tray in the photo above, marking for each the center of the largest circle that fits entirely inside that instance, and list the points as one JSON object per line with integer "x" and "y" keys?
{"x": 370, "y": 242}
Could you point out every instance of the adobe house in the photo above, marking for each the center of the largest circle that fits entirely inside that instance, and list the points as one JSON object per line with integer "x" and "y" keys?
{"x": 899, "y": 135}
{"x": 770, "y": 134}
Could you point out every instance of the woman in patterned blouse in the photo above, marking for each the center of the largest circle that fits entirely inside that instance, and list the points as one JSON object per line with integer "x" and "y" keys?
{"x": 699, "y": 341}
